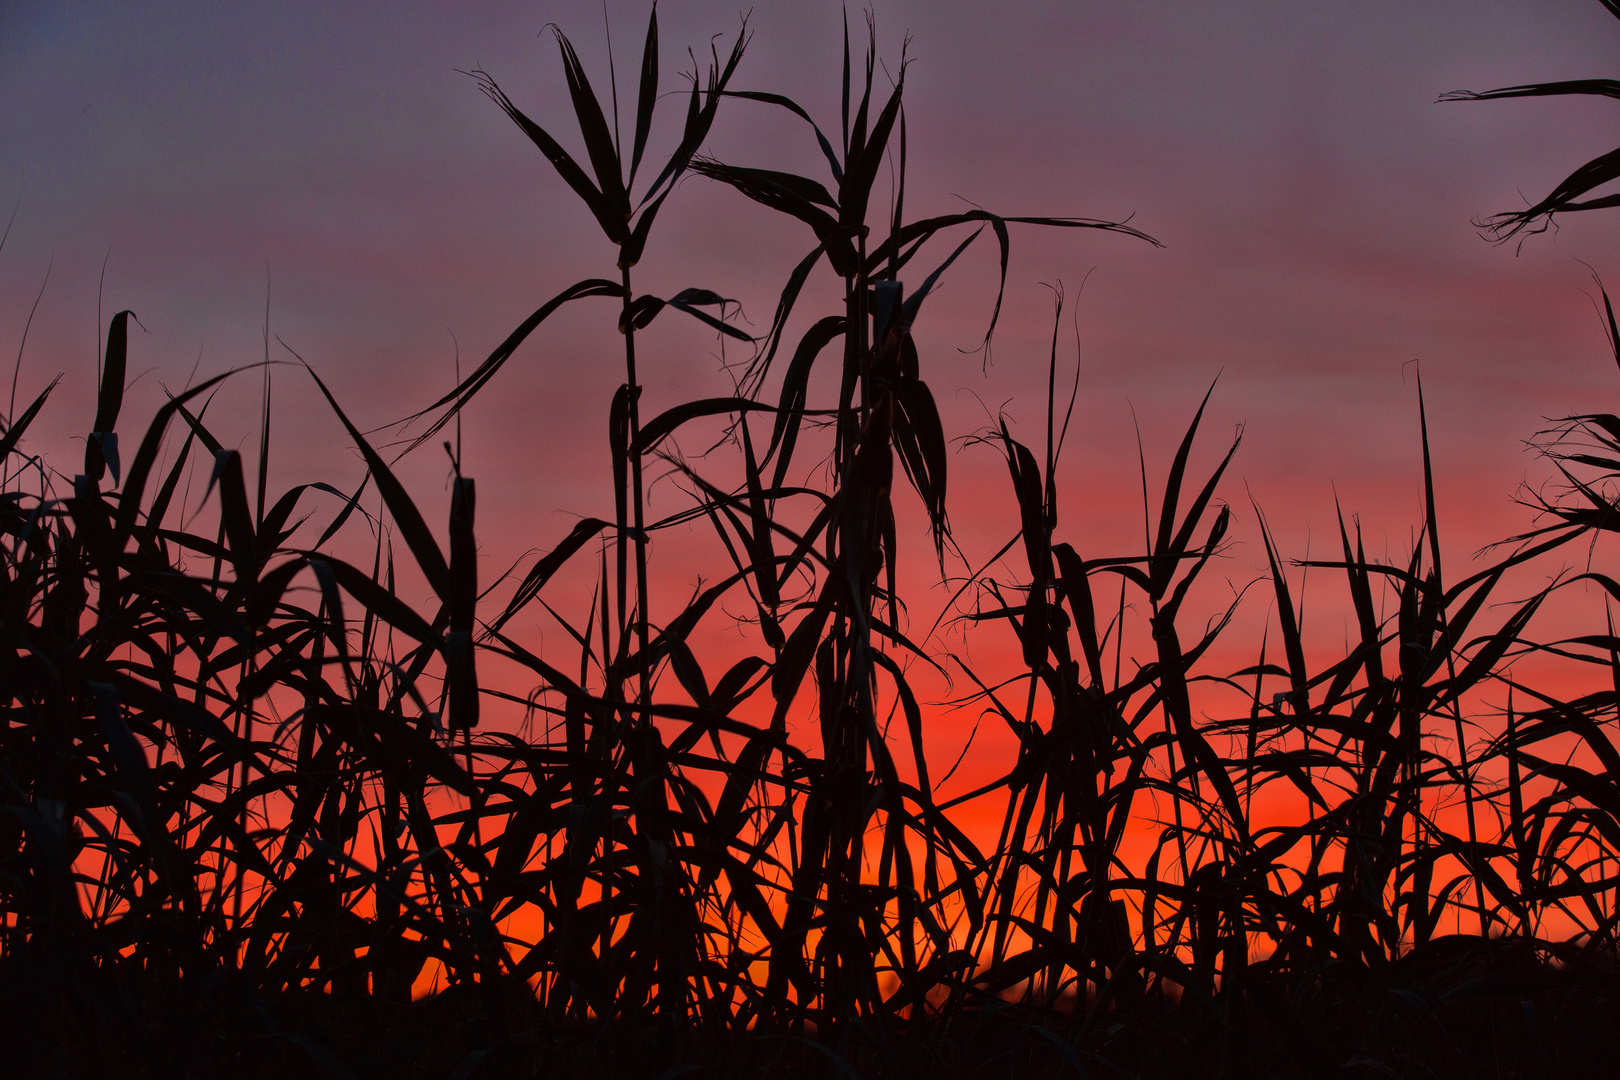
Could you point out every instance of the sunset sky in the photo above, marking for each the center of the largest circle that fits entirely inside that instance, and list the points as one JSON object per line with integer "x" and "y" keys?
{"x": 1313, "y": 199}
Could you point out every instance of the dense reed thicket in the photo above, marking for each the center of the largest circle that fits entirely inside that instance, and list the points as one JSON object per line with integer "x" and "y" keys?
{"x": 258, "y": 814}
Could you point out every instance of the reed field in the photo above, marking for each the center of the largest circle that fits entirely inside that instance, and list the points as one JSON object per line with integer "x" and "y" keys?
{"x": 264, "y": 814}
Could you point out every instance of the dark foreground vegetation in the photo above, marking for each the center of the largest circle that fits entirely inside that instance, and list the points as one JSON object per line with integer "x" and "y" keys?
{"x": 261, "y": 816}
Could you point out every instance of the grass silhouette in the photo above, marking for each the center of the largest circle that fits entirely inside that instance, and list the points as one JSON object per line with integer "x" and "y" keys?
{"x": 255, "y": 817}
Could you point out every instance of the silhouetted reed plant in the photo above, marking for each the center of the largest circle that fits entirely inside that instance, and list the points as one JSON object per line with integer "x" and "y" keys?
{"x": 258, "y": 814}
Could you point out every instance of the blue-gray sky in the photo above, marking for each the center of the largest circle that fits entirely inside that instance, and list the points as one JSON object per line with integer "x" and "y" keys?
{"x": 1314, "y": 200}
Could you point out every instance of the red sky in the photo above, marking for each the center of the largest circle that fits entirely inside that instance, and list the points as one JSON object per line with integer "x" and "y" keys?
{"x": 1314, "y": 200}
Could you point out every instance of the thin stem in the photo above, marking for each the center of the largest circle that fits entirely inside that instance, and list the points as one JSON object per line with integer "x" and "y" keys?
{"x": 644, "y": 685}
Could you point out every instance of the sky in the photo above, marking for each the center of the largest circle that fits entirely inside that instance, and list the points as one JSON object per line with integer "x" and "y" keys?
{"x": 331, "y": 173}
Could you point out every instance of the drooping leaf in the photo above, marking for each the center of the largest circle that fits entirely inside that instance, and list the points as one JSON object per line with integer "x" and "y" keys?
{"x": 797, "y": 110}
{"x": 474, "y": 382}
{"x": 664, "y": 424}
{"x": 795, "y": 392}
{"x": 109, "y": 400}
{"x": 920, "y": 438}
{"x": 406, "y": 517}
{"x": 689, "y": 301}
{"x": 797, "y": 197}
{"x": 234, "y": 513}
{"x": 607, "y": 213}
{"x": 547, "y": 567}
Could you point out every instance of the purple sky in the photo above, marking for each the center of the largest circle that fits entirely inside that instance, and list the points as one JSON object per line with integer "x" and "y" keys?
{"x": 1314, "y": 202}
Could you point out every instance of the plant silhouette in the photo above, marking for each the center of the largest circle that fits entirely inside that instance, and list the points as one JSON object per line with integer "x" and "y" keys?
{"x": 259, "y": 813}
